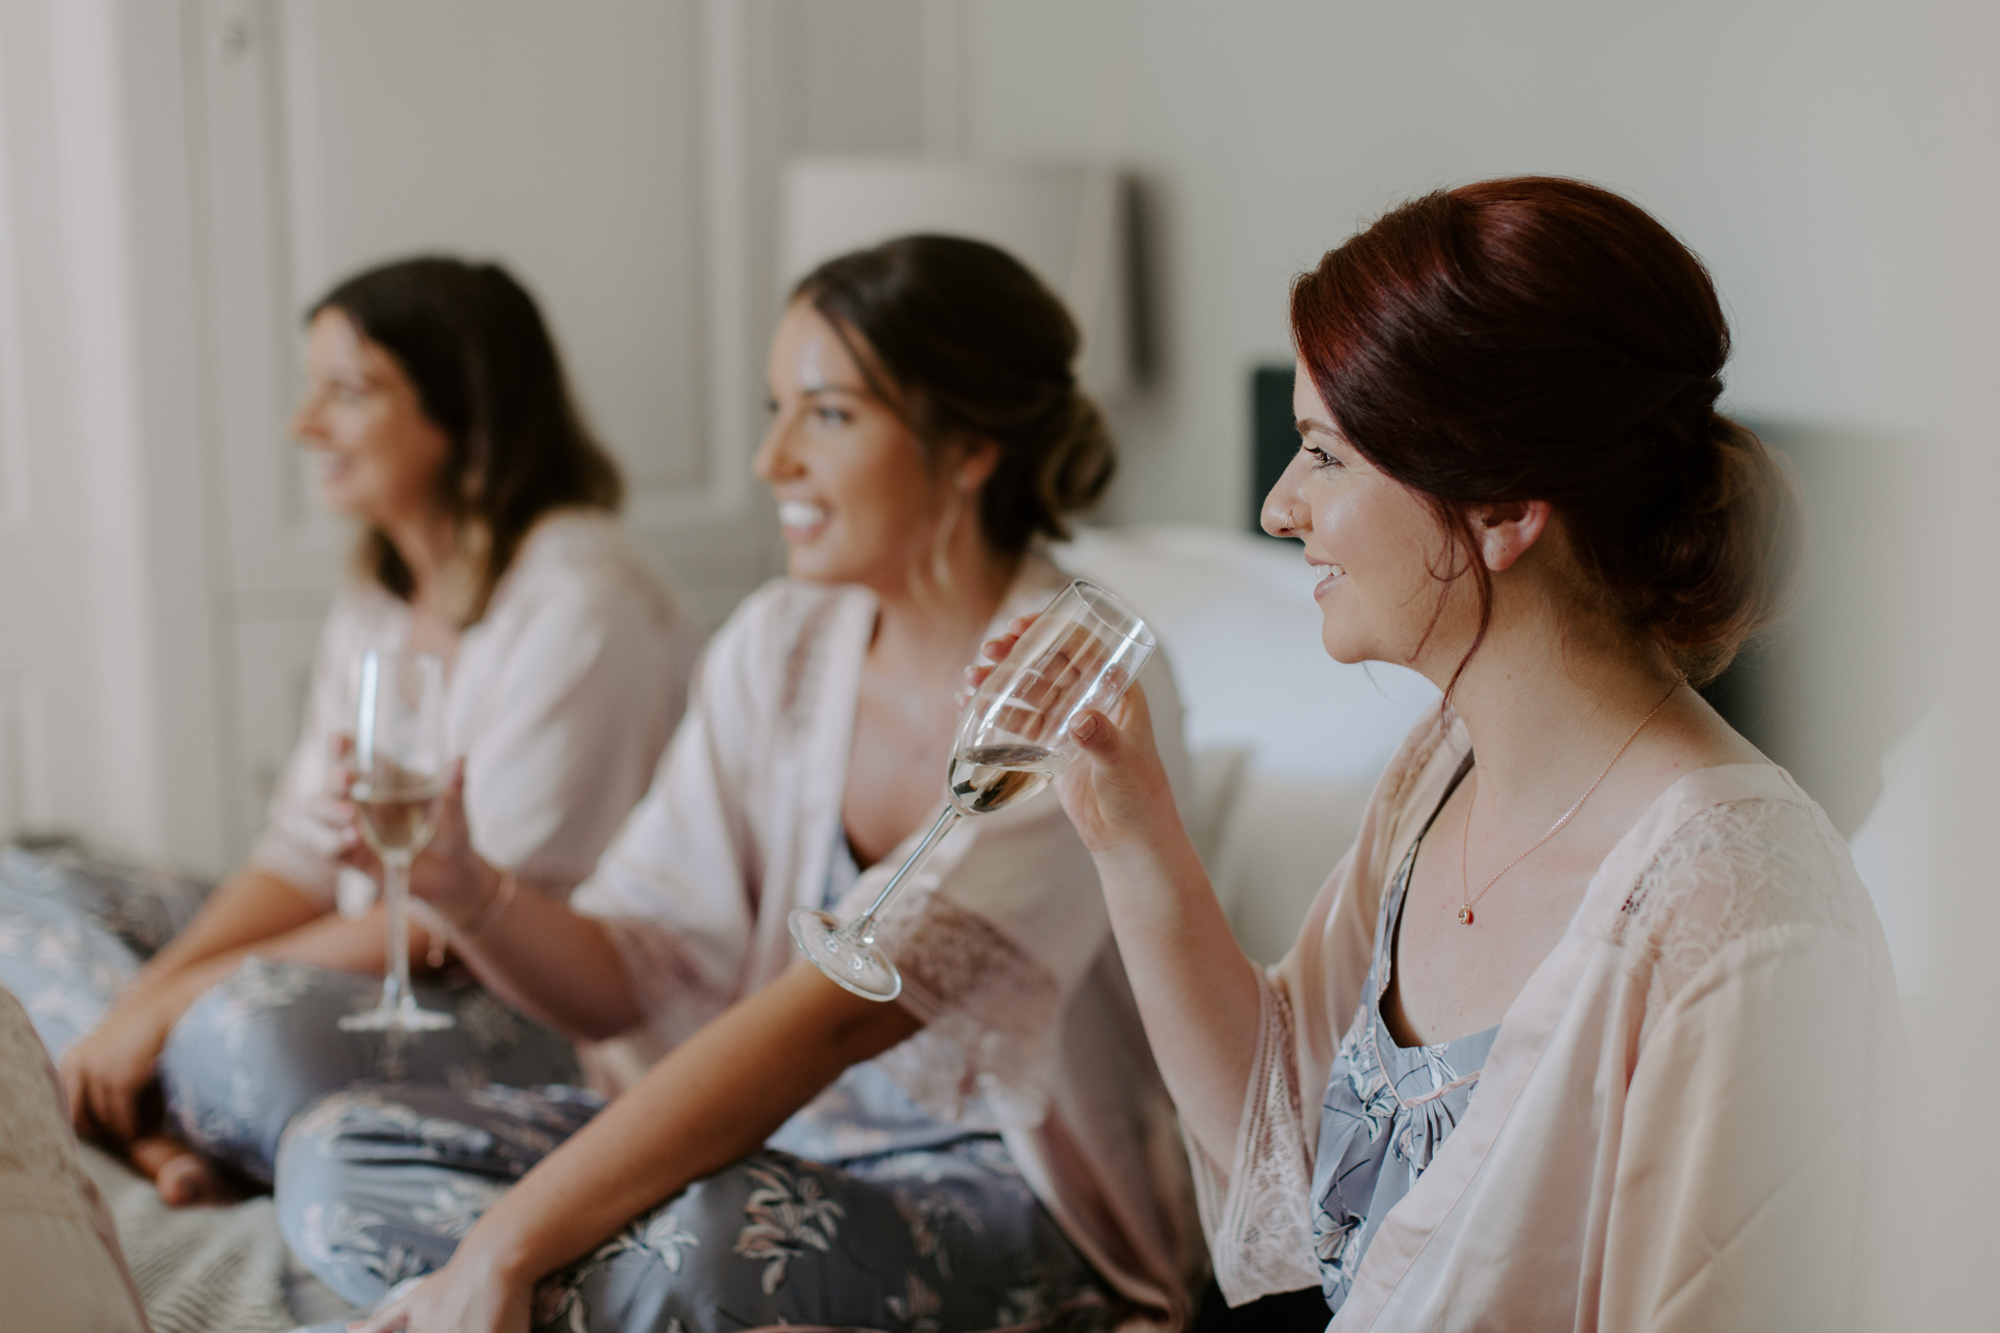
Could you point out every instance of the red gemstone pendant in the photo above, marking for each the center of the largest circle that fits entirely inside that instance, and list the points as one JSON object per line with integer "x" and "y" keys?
{"x": 1465, "y": 916}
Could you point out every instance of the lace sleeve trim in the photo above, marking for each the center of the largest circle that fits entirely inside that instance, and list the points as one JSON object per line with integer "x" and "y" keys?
{"x": 677, "y": 996}
{"x": 986, "y": 1054}
{"x": 1733, "y": 870}
{"x": 1257, "y": 1216}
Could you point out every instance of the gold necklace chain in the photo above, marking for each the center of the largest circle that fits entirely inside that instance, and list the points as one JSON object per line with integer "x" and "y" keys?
{"x": 1465, "y": 841}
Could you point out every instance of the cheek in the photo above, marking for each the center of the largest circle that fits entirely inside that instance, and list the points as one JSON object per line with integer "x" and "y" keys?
{"x": 410, "y": 454}
{"x": 884, "y": 489}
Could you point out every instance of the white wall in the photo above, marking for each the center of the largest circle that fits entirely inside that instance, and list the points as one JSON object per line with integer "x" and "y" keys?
{"x": 1770, "y": 135}
{"x": 1945, "y": 58}
{"x": 1784, "y": 140}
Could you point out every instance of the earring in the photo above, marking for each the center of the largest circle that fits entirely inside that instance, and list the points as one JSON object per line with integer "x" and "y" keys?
{"x": 941, "y": 544}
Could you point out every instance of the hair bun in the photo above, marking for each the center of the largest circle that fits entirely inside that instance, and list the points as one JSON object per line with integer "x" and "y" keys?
{"x": 1730, "y": 562}
{"x": 1077, "y": 463}
{"x": 1699, "y": 393}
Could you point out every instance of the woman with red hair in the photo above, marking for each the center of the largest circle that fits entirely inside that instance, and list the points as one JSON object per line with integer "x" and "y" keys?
{"x": 1582, "y": 1032}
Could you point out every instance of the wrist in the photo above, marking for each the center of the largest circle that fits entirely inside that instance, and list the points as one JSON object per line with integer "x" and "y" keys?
{"x": 163, "y": 999}
{"x": 1146, "y": 828}
{"x": 498, "y": 895}
{"x": 498, "y": 1255}
{"x": 1149, "y": 854}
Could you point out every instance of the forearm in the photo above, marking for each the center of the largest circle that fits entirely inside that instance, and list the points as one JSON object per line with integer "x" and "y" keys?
{"x": 713, "y": 1101}
{"x": 247, "y": 908}
{"x": 251, "y": 908}
{"x": 331, "y": 941}
{"x": 1197, "y": 991}
{"x": 549, "y": 961}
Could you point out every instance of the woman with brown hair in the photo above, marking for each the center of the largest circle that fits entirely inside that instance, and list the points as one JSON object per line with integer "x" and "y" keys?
{"x": 993, "y": 1150}
{"x": 1583, "y": 1030}
{"x": 438, "y": 415}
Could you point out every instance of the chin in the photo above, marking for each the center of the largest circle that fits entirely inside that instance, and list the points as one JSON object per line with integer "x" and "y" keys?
{"x": 351, "y": 493}
{"x": 1340, "y": 645}
{"x": 803, "y": 562}
{"x": 1346, "y": 654}
{"x": 341, "y": 502}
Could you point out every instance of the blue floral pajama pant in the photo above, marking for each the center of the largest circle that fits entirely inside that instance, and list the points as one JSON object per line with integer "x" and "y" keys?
{"x": 266, "y": 1042}
{"x": 376, "y": 1186}
{"x": 262, "y": 1043}
{"x": 73, "y": 930}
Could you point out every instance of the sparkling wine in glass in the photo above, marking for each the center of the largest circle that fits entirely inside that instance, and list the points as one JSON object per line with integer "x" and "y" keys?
{"x": 1013, "y": 738}
{"x": 399, "y": 765}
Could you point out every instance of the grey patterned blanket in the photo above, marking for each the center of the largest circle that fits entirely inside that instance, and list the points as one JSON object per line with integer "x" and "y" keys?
{"x": 208, "y": 1270}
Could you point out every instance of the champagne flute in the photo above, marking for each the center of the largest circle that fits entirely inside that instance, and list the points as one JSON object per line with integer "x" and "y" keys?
{"x": 1013, "y": 738}
{"x": 399, "y": 777}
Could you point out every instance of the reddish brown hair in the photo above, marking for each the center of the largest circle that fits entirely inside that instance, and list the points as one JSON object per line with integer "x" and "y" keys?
{"x": 1543, "y": 339}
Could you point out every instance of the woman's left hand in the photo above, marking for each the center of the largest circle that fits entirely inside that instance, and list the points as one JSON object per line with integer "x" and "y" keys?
{"x": 467, "y": 1295}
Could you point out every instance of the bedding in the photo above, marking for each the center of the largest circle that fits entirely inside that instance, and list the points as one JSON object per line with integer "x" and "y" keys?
{"x": 221, "y": 1269}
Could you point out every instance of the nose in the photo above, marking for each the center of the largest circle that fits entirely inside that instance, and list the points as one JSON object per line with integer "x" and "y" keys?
{"x": 304, "y": 424}
{"x": 1285, "y": 512}
{"x": 773, "y": 461}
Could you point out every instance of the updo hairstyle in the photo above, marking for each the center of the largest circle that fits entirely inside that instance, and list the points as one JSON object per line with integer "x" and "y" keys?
{"x": 1543, "y": 339}
{"x": 973, "y": 347}
{"x": 486, "y": 373}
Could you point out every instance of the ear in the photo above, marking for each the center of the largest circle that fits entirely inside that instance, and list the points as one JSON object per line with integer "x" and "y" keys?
{"x": 1507, "y": 531}
{"x": 976, "y": 462}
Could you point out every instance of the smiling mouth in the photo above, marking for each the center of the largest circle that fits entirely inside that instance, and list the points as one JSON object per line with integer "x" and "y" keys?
{"x": 1327, "y": 573}
{"x": 800, "y": 515}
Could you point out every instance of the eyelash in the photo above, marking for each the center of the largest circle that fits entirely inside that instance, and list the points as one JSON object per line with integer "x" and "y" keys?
{"x": 1321, "y": 458}
{"x": 832, "y": 416}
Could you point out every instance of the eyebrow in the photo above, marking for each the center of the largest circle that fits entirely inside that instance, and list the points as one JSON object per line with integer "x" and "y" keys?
{"x": 857, "y": 390}
{"x": 1307, "y": 425}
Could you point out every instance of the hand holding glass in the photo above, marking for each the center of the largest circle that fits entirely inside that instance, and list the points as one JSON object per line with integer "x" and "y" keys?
{"x": 399, "y": 767}
{"x": 1013, "y": 738}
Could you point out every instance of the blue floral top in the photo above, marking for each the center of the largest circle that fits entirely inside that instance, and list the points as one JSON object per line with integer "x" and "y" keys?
{"x": 1387, "y": 1110}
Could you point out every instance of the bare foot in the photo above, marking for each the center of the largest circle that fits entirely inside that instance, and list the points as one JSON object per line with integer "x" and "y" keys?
{"x": 182, "y": 1176}
{"x": 152, "y": 1151}
{"x": 189, "y": 1179}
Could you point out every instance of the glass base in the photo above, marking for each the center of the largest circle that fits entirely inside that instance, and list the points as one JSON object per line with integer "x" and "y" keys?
{"x": 846, "y": 961}
{"x": 404, "y": 1017}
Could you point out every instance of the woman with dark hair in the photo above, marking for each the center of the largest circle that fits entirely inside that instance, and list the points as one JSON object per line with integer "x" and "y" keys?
{"x": 995, "y": 1150}
{"x": 439, "y": 417}
{"x": 1584, "y": 1030}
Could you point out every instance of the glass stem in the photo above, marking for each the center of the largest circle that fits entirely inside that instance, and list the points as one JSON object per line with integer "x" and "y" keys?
{"x": 863, "y": 927}
{"x": 396, "y": 894}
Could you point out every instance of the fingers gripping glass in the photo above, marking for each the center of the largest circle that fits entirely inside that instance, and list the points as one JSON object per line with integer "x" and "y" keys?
{"x": 1012, "y": 739}
{"x": 399, "y": 769}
